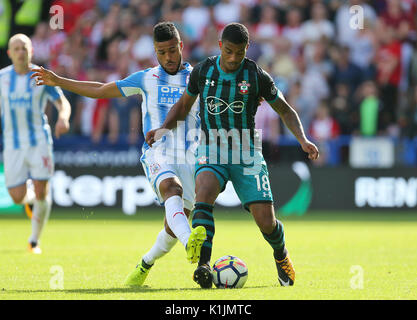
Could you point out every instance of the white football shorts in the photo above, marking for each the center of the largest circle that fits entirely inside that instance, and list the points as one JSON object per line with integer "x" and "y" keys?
{"x": 34, "y": 163}
{"x": 157, "y": 171}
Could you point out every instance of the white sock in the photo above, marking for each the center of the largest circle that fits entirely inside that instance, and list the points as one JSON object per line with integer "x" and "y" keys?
{"x": 176, "y": 218}
{"x": 41, "y": 211}
{"x": 163, "y": 244}
{"x": 30, "y": 196}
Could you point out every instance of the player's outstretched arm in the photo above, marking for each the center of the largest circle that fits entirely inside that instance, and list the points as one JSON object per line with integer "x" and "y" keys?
{"x": 89, "y": 89}
{"x": 177, "y": 113}
{"x": 64, "y": 112}
{"x": 290, "y": 118}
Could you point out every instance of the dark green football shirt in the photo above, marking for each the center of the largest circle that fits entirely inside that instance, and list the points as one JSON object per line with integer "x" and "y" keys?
{"x": 230, "y": 100}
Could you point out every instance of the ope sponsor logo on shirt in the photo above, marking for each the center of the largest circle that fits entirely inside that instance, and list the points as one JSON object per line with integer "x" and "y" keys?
{"x": 169, "y": 94}
{"x": 20, "y": 100}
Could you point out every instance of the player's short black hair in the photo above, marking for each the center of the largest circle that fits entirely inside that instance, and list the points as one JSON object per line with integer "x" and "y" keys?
{"x": 236, "y": 33}
{"x": 165, "y": 31}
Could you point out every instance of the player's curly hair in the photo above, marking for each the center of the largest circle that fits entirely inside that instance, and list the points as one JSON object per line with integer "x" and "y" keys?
{"x": 165, "y": 31}
{"x": 236, "y": 33}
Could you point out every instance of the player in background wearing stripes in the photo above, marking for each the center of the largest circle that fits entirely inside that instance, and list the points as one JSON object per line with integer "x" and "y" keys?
{"x": 169, "y": 174}
{"x": 230, "y": 86}
{"x": 27, "y": 139}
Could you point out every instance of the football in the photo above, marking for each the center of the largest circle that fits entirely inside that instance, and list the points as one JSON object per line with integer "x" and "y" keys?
{"x": 229, "y": 272}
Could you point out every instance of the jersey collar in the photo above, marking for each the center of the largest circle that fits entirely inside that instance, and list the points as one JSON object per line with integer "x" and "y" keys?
{"x": 228, "y": 74}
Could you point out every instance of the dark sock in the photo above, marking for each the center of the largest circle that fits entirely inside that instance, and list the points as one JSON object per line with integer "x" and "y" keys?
{"x": 145, "y": 265}
{"x": 276, "y": 240}
{"x": 203, "y": 216}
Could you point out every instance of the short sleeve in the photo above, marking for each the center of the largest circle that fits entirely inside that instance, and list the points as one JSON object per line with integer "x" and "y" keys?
{"x": 53, "y": 92}
{"x": 267, "y": 88}
{"x": 192, "y": 87}
{"x": 131, "y": 85}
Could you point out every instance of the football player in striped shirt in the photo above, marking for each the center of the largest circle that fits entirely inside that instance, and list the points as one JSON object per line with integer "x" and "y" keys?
{"x": 27, "y": 139}
{"x": 229, "y": 87}
{"x": 170, "y": 174}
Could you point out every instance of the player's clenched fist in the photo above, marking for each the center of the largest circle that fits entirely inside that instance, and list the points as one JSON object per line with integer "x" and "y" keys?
{"x": 155, "y": 135}
{"x": 311, "y": 149}
{"x": 62, "y": 126}
{"x": 44, "y": 77}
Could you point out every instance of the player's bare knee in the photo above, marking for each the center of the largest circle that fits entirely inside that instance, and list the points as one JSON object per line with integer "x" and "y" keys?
{"x": 17, "y": 197}
{"x": 205, "y": 194}
{"x": 266, "y": 225}
{"x": 41, "y": 193}
{"x": 173, "y": 190}
{"x": 169, "y": 188}
{"x": 207, "y": 188}
{"x": 17, "y": 194}
{"x": 264, "y": 217}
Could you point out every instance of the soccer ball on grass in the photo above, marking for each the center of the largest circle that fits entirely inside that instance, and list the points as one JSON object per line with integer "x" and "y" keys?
{"x": 229, "y": 272}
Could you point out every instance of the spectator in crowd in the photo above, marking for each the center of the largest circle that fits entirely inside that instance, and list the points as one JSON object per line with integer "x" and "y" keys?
{"x": 41, "y": 43}
{"x": 105, "y": 5}
{"x": 93, "y": 112}
{"x": 124, "y": 117}
{"x": 342, "y": 109}
{"x": 363, "y": 49}
{"x": 226, "y": 11}
{"x": 344, "y": 70}
{"x": 314, "y": 86}
{"x": 293, "y": 32}
{"x": 316, "y": 59}
{"x": 110, "y": 31}
{"x": 209, "y": 46}
{"x": 147, "y": 13}
{"x": 196, "y": 18}
{"x": 318, "y": 28}
{"x": 266, "y": 30}
{"x": 408, "y": 121}
{"x": 143, "y": 49}
{"x": 400, "y": 20}
{"x": 388, "y": 65}
{"x": 301, "y": 104}
{"x": 283, "y": 65}
{"x": 346, "y": 35}
{"x": 267, "y": 120}
{"x": 323, "y": 128}
{"x": 369, "y": 108}
{"x": 73, "y": 9}
{"x": 309, "y": 47}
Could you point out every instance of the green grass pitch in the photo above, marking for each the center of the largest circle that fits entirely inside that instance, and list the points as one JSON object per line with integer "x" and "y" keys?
{"x": 87, "y": 254}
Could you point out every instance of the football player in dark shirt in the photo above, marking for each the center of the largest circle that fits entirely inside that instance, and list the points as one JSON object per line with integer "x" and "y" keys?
{"x": 229, "y": 87}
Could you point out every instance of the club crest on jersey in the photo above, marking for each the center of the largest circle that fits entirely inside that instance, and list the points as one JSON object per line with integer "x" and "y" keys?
{"x": 154, "y": 168}
{"x": 47, "y": 163}
{"x": 244, "y": 87}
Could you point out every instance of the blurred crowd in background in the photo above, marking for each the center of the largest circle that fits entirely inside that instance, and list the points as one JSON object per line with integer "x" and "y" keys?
{"x": 341, "y": 80}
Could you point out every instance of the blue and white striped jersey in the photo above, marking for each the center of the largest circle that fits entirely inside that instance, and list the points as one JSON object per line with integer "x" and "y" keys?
{"x": 23, "y": 104}
{"x": 160, "y": 91}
